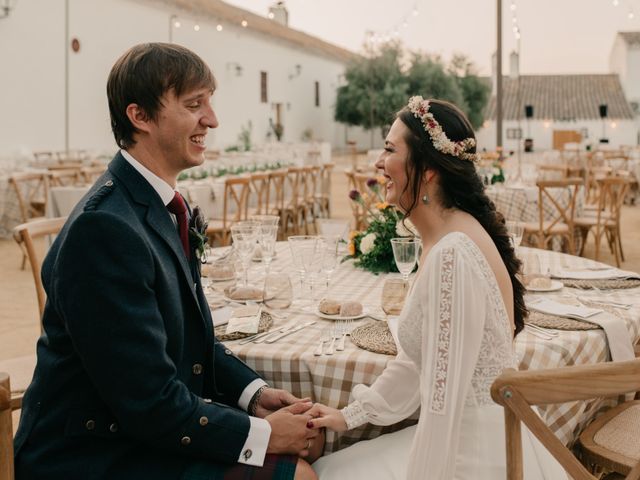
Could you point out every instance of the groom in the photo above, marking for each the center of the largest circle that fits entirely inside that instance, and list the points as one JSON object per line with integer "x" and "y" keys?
{"x": 130, "y": 381}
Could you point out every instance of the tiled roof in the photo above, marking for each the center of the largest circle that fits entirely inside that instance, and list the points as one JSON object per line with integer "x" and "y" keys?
{"x": 562, "y": 97}
{"x": 219, "y": 11}
{"x": 632, "y": 38}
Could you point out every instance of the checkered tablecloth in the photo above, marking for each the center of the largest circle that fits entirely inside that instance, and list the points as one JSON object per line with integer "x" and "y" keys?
{"x": 290, "y": 363}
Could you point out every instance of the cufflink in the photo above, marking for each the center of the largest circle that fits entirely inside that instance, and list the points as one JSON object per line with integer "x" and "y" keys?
{"x": 247, "y": 454}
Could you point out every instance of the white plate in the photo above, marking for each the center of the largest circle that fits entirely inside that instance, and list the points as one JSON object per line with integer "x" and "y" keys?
{"x": 555, "y": 285}
{"x": 338, "y": 317}
{"x": 221, "y": 279}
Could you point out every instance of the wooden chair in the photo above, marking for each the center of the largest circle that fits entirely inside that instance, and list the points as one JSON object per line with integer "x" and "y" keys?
{"x": 592, "y": 188}
{"x": 293, "y": 211}
{"x": 323, "y": 196}
{"x": 260, "y": 189}
{"x": 517, "y": 391}
{"x": 235, "y": 208}
{"x": 64, "y": 177}
{"x": 606, "y": 220}
{"x": 8, "y": 403}
{"x": 560, "y": 223}
{"x": 275, "y": 198}
{"x": 553, "y": 171}
{"x": 90, "y": 174}
{"x": 32, "y": 190}
{"x": 24, "y": 235}
{"x": 311, "y": 175}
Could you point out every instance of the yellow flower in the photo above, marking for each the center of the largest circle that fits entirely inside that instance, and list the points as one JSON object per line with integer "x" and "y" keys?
{"x": 382, "y": 180}
{"x": 353, "y": 234}
{"x": 381, "y": 205}
{"x": 351, "y": 248}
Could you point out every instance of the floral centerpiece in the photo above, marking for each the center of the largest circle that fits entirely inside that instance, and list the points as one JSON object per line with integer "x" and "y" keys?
{"x": 371, "y": 248}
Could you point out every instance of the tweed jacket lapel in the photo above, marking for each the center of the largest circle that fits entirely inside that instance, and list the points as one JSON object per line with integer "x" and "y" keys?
{"x": 157, "y": 216}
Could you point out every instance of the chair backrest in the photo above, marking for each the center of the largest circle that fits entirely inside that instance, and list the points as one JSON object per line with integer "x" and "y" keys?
{"x": 236, "y": 199}
{"x": 7, "y": 405}
{"x": 613, "y": 191}
{"x": 24, "y": 235}
{"x": 260, "y": 188}
{"x": 553, "y": 171}
{"x": 517, "y": 391}
{"x": 275, "y": 193}
{"x": 561, "y": 212}
{"x": 64, "y": 177}
{"x": 91, "y": 174}
{"x": 592, "y": 189}
{"x": 295, "y": 179}
{"x": 32, "y": 191}
{"x": 325, "y": 178}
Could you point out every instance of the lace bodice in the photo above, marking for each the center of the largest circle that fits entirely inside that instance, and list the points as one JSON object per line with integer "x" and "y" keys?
{"x": 496, "y": 351}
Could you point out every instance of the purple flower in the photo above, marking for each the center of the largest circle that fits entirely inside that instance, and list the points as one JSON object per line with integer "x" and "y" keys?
{"x": 354, "y": 195}
{"x": 372, "y": 182}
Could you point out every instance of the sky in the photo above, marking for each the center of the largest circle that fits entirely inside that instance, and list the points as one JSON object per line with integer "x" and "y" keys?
{"x": 556, "y": 36}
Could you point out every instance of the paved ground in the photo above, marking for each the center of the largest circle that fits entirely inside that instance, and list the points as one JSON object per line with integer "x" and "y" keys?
{"x": 19, "y": 327}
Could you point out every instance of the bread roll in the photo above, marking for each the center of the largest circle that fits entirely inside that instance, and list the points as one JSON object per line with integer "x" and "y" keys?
{"x": 329, "y": 307}
{"x": 350, "y": 309}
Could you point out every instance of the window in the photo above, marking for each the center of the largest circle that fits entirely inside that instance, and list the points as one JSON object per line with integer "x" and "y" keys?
{"x": 263, "y": 87}
{"x": 317, "y": 91}
{"x": 514, "y": 133}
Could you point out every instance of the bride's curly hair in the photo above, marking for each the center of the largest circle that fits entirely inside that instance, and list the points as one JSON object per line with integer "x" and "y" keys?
{"x": 460, "y": 185}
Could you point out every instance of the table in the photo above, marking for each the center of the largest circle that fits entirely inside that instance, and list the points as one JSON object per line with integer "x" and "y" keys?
{"x": 290, "y": 363}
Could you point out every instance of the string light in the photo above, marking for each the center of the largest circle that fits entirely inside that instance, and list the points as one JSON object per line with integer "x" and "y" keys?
{"x": 196, "y": 27}
{"x": 244, "y": 23}
{"x": 219, "y": 27}
{"x": 177, "y": 24}
{"x": 395, "y": 30}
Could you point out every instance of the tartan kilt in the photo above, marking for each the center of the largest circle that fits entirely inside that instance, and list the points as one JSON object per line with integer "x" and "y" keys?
{"x": 275, "y": 467}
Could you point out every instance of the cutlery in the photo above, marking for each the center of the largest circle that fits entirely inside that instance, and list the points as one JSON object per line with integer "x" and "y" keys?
{"x": 330, "y": 347}
{"x": 277, "y": 331}
{"x": 325, "y": 338}
{"x": 535, "y": 333}
{"x": 611, "y": 303}
{"x": 289, "y": 332}
{"x": 543, "y": 330}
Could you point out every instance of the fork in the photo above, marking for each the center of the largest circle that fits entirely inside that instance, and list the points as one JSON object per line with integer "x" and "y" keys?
{"x": 325, "y": 337}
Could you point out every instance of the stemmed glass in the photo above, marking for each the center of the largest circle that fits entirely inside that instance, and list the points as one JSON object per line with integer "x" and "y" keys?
{"x": 515, "y": 230}
{"x": 304, "y": 249}
{"x": 244, "y": 237}
{"x": 329, "y": 262}
{"x": 405, "y": 253}
{"x": 267, "y": 239}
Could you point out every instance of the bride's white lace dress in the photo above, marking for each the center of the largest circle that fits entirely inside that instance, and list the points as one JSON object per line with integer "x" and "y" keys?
{"x": 455, "y": 339}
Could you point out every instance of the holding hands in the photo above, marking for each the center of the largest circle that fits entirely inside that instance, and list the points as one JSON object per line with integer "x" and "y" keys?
{"x": 328, "y": 417}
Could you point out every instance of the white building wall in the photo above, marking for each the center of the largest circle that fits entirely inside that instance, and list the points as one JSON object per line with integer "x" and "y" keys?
{"x": 623, "y": 133}
{"x": 32, "y": 52}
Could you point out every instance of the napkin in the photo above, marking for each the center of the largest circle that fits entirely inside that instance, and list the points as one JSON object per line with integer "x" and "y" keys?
{"x": 244, "y": 320}
{"x": 392, "y": 323}
{"x": 551, "y": 307}
{"x": 595, "y": 274}
{"x": 618, "y": 337}
{"x": 221, "y": 316}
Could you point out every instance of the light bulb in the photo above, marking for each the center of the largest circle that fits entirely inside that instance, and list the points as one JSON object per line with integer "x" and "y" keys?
{"x": 219, "y": 27}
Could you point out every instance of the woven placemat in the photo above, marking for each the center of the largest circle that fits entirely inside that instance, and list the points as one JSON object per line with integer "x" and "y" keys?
{"x": 265, "y": 324}
{"x": 375, "y": 337}
{"x": 559, "y": 323}
{"x": 609, "y": 284}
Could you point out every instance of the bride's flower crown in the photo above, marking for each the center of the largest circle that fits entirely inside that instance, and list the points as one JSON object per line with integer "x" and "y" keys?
{"x": 420, "y": 109}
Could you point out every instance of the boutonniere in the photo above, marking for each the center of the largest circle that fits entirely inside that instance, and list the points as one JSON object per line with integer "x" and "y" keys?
{"x": 197, "y": 234}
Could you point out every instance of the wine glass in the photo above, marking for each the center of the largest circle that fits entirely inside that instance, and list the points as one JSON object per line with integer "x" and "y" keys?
{"x": 244, "y": 242}
{"x": 329, "y": 260}
{"x": 515, "y": 230}
{"x": 267, "y": 240}
{"x": 394, "y": 292}
{"x": 405, "y": 253}
{"x": 303, "y": 250}
{"x": 277, "y": 290}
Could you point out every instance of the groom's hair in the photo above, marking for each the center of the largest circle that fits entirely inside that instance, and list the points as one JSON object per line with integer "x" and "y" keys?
{"x": 142, "y": 76}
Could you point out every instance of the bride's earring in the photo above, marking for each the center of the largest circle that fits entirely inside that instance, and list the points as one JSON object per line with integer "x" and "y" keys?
{"x": 425, "y": 199}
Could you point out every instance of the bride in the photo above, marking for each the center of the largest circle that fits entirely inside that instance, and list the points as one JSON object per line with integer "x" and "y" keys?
{"x": 457, "y": 327}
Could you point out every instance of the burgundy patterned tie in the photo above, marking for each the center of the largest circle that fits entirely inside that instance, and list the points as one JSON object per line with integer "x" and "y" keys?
{"x": 178, "y": 207}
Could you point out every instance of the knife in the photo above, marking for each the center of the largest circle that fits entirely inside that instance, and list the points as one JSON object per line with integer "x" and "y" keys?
{"x": 289, "y": 332}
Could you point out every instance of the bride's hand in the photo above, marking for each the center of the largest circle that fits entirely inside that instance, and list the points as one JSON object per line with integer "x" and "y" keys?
{"x": 326, "y": 417}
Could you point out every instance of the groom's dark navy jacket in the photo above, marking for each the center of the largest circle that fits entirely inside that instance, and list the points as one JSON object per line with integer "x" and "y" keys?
{"x": 130, "y": 381}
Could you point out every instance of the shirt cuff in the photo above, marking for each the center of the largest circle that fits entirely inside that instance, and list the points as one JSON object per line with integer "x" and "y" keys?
{"x": 248, "y": 392}
{"x": 354, "y": 415}
{"x": 255, "y": 447}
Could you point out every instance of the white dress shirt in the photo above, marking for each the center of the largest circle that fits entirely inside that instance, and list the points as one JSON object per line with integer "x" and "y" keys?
{"x": 255, "y": 447}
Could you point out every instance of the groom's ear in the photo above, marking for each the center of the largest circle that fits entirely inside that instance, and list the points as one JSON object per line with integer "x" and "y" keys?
{"x": 138, "y": 117}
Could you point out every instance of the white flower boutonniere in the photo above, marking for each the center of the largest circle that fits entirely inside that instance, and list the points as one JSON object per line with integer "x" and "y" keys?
{"x": 197, "y": 234}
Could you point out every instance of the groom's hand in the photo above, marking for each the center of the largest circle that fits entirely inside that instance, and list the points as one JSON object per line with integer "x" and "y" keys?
{"x": 273, "y": 399}
{"x": 289, "y": 431}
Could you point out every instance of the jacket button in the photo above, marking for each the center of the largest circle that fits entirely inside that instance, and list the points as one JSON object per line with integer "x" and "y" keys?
{"x": 204, "y": 421}
{"x": 90, "y": 425}
{"x": 228, "y": 352}
{"x": 113, "y": 428}
{"x": 247, "y": 454}
{"x": 207, "y": 400}
{"x": 185, "y": 441}
{"x": 196, "y": 369}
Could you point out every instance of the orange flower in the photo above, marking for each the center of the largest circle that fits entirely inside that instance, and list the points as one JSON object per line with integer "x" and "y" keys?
{"x": 381, "y": 205}
{"x": 382, "y": 180}
{"x": 353, "y": 234}
{"x": 351, "y": 248}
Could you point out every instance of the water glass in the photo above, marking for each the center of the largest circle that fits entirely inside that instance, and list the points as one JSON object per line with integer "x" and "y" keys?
{"x": 405, "y": 253}
{"x": 244, "y": 242}
{"x": 267, "y": 235}
{"x": 278, "y": 292}
{"x": 394, "y": 292}
{"x": 515, "y": 230}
